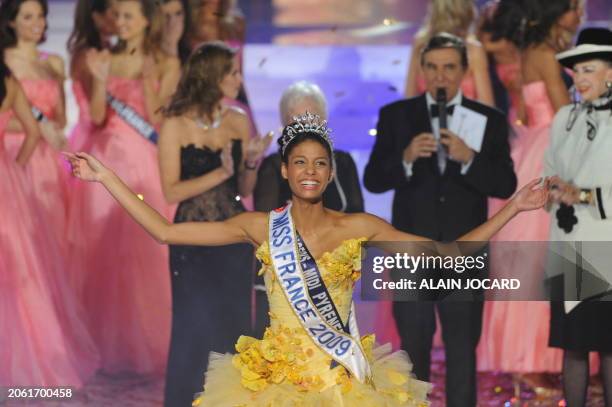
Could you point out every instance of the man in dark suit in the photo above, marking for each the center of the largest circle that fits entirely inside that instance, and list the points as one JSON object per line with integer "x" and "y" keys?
{"x": 441, "y": 189}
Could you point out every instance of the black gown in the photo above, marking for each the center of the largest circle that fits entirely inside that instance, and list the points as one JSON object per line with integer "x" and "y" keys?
{"x": 211, "y": 286}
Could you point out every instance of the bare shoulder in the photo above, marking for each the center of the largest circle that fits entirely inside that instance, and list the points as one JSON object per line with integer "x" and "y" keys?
{"x": 255, "y": 224}
{"x": 236, "y": 113}
{"x": 238, "y": 120}
{"x": 56, "y": 63}
{"x": 172, "y": 129}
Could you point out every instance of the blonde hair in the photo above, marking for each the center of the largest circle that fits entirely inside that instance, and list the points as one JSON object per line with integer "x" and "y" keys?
{"x": 452, "y": 16}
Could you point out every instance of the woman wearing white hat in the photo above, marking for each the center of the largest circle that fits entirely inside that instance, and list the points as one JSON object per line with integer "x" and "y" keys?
{"x": 579, "y": 159}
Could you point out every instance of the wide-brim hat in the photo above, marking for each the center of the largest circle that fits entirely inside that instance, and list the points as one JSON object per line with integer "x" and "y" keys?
{"x": 593, "y": 43}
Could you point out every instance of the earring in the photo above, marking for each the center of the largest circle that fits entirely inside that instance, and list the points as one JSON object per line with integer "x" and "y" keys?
{"x": 609, "y": 85}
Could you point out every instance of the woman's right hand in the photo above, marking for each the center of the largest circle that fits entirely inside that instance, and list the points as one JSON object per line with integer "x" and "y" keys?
{"x": 98, "y": 63}
{"x": 227, "y": 161}
{"x": 86, "y": 167}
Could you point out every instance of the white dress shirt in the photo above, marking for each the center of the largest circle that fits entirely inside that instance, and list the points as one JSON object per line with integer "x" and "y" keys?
{"x": 435, "y": 127}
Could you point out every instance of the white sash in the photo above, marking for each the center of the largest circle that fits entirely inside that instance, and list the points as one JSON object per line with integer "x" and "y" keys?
{"x": 343, "y": 348}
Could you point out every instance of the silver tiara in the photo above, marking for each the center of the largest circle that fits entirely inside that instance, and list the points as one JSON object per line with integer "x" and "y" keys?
{"x": 306, "y": 123}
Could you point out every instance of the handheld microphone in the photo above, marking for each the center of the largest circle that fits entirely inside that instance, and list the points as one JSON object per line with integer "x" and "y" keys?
{"x": 441, "y": 102}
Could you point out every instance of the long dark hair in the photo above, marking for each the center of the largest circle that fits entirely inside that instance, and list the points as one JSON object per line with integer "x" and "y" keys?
{"x": 198, "y": 87}
{"x": 184, "y": 44}
{"x": 8, "y": 37}
{"x": 85, "y": 34}
{"x": 8, "y": 12}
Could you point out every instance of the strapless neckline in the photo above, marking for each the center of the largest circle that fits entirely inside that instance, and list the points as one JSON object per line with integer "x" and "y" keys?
{"x": 264, "y": 248}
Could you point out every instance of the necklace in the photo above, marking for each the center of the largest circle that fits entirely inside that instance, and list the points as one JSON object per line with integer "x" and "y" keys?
{"x": 205, "y": 126}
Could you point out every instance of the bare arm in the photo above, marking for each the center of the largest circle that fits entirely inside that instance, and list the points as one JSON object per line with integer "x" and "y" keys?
{"x": 98, "y": 64}
{"x": 169, "y": 149}
{"x": 247, "y": 227}
{"x": 57, "y": 64}
{"x": 247, "y": 178}
{"x": 97, "y": 101}
{"x": 155, "y": 99}
{"x": 550, "y": 71}
{"x": 480, "y": 69}
{"x": 527, "y": 198}
{"x": 23, "y": 112}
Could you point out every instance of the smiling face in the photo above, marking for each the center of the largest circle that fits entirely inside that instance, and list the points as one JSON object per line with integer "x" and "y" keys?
{"x": 129, "y": 19}
{"x": 308, "y": 169}
{"x": 590, "y": 78}
{"x": 230, "y": 84}
{"x": 30, "y": 22}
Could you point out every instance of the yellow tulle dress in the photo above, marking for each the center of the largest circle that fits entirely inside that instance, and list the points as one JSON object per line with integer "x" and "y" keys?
{"x": 286, "y": 369}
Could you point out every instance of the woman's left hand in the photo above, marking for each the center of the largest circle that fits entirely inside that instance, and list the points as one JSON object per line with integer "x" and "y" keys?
{"x": 532, "y": 196}
{"x": 257, "y": 147}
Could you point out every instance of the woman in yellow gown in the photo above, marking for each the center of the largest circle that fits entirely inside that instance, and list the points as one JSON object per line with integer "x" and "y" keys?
{"x": 288, "y": 367}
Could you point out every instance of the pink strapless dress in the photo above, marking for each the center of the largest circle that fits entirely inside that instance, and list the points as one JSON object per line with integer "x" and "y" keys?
{"x": 44, "y": 340}
{"x": 125, "y": 283}
{"x": 80, "y": 137}
{"x": 47, "y": 172}
{"x": 515, "y": 333}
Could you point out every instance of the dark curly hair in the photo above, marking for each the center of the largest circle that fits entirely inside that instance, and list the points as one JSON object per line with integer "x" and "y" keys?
{"x": 525, "y": 22}
{"x": 504, "y": 19}
{"x": 198, "y": 87}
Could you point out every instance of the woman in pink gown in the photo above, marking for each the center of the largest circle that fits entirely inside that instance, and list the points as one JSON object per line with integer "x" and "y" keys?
{"x": 41, "y": 76}
{"x": 94, "y": 25}
{"x": 44, "y": 341}
{"x": 515, "y": 334}
{"x": 125, "y": 285}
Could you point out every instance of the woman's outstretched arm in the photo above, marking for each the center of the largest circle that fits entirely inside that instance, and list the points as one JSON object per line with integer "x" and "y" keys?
{"x": 244, "y": 228}
{"x": 530, "y": 197}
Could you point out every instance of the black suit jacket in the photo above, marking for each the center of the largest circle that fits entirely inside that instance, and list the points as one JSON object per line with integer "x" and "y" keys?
{"x": 438, "y": 206}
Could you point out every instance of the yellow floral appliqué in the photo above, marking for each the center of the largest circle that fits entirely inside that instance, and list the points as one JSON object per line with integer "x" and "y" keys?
{"x": 277, "y": 358}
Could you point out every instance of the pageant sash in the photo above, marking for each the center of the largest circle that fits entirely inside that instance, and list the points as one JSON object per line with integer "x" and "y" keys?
{"x": 131, "y": 117}
{"x": 39, "y": 115}
{"x": 305, "y": 291}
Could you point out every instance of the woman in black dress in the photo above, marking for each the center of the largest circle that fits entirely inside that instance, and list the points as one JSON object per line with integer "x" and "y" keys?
{"x": 207, "y": 162}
